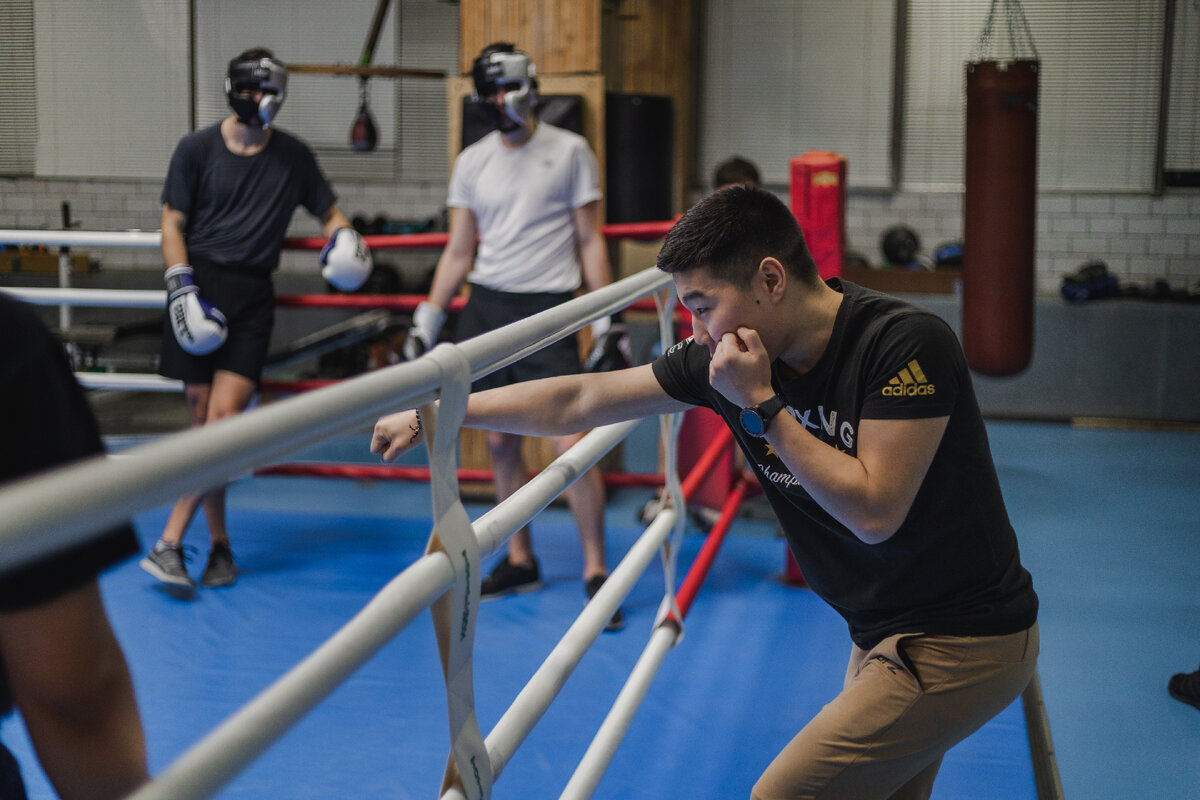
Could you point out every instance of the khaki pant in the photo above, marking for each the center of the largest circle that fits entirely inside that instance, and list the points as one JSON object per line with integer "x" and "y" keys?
{"x": 904, "y": 704}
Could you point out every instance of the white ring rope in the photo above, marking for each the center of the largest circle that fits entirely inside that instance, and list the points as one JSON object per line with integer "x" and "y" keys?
{"x": 134, "y": 238}
{"x": 108, "y": 490}
{"x": 93, "y": 298}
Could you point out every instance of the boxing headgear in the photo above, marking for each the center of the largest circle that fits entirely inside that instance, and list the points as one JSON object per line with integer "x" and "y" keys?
{"x": 502, "y": 66}
{"x": 256, "y": 70}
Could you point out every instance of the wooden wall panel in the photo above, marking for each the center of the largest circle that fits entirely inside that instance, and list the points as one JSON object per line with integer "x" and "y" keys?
{"x": 650, "y": 48}
{"x": 561, "y": 35}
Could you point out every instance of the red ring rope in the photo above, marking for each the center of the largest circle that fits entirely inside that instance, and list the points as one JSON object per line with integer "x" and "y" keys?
{"x": 624, "y": 230}
{"x": 396, "y": 302}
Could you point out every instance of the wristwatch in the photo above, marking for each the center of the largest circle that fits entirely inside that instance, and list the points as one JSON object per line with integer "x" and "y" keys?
{"x": 755, "y": 419}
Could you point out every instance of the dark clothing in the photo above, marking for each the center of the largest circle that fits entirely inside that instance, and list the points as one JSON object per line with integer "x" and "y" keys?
{"x": 489, "y": 309}
{"x": 45, "y": 421}
{"x": 238, "y": 208}
{"x": 247, "y": 299}
{"x": 953, "y": 566}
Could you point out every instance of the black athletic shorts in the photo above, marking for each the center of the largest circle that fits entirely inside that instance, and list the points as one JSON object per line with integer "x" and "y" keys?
{"x": 488, "y": 309}
{"x": 247, "y": 299}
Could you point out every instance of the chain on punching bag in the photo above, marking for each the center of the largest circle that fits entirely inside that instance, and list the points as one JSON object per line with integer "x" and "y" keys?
{"x": 999, "y": 204}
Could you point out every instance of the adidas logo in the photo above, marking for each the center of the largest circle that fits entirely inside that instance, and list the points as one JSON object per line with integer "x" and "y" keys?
{"x": 909, "y": 382}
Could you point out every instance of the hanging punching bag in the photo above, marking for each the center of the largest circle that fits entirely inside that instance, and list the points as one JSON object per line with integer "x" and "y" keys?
{"x": 999, "y": 215}
{"x": 1000, "y": 177}
{"x": 363, "y": 133}
{"x": 364, "y": 136}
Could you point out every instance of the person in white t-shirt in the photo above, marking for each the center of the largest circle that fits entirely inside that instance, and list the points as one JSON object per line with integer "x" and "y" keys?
{"x": 525, "y": 232}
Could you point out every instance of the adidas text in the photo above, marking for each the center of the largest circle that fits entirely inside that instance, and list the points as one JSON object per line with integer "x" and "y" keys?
{"x": 910, "y": 390}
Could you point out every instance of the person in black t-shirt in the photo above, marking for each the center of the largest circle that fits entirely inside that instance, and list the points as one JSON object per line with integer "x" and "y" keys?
{"x": 227, "y": 201}
{"x": 856, "y": 412}
{"x": 60, "y": 663}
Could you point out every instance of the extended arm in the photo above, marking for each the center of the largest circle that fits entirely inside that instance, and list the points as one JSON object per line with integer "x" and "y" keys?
{"x": 593, "y": 250}
{"x": 455, "y": 263}
{"x": 174, "y": 247}
{"x": 549, "y": 407}
{"x": 457, "y": 258}
{"x": 333, "y": 221}
{"x": 870, "y": 492}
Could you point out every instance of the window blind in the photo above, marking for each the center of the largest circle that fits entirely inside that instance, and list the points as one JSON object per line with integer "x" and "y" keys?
{"x": 781, "y": 78}
{"x": 1098, "y": 99}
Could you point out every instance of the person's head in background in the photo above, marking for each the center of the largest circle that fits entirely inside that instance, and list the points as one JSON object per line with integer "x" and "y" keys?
{"x": 735, "y": 171}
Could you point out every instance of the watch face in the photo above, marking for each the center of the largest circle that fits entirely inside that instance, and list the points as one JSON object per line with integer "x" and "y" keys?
{"x": 752, "y": 423}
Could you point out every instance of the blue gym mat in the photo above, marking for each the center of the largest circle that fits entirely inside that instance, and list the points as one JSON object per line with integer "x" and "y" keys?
{"x": 757, "y": 660}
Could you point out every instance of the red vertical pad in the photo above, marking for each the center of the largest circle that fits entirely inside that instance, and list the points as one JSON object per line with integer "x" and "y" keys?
{"x": 818, "y": 194}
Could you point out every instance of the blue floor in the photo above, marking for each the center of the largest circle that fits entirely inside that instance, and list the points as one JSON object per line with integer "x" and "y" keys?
{"x": 1107, "y": 521}
{"x": 1109, "y": 524}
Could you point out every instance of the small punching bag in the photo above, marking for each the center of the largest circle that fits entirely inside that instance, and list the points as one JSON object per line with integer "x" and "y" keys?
{"x": 363, "y": 133}
{"x": 999, "y": 204}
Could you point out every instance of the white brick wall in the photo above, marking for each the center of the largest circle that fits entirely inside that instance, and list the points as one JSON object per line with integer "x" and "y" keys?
{"x": 1140, "y": 238}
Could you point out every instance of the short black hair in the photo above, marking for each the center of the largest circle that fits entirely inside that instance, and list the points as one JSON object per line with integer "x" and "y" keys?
{"x": 735, "y": 170}
{"x": 731, "y": 231}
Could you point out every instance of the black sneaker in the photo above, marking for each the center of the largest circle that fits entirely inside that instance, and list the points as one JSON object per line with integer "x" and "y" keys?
{"x": 220, "y": 570}
{"x": 509, "y": 578}
{"x": 591, "y": 586}
{"x": 649, "y": 510}
{"x": 166, "y": 562}
{"x": 1185, "y": 687}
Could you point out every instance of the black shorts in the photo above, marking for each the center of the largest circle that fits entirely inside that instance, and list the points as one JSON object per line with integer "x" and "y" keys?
{"x": 247, "y": 299}
{"x": 487, "y": 309}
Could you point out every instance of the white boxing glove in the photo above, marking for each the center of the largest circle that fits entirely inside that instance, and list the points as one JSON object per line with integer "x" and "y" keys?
{"x": 428, "y": 320}
{"x": 611, "y": 348}
{"x": 346, "y": 260}
{"x": 199, "y": 328}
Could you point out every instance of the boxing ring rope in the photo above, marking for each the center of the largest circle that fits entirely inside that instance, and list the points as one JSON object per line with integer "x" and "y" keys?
{"x": 107, "y": 490}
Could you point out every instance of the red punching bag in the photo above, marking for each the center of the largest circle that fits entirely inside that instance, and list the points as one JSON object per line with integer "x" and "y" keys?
{"x": 999, "y": 216}
{"x": 999, "y": 209}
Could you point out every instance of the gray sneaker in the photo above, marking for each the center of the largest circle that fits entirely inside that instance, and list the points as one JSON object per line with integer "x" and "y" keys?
{"x": 166, "y": 562}
{"x": 220, "y": 570}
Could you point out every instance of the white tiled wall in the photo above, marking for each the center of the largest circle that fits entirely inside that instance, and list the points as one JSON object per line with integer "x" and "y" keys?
{"x": 1141, "y": 238}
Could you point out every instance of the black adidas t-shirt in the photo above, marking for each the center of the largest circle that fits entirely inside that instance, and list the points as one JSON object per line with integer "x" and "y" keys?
{"x": 953, "y": 566}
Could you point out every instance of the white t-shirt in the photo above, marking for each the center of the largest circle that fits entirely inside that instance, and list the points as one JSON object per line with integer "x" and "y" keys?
{"x": 523, "y": 200}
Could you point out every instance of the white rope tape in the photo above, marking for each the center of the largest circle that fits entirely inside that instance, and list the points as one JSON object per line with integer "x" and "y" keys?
{"x": 672, "y": 491}
{"x": 454, "y": 613}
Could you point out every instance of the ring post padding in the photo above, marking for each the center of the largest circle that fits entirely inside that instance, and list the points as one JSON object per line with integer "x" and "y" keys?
{"x": 455, "y": 612}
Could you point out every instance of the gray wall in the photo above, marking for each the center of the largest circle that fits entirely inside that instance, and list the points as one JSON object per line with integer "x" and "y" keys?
{"x": 1120, "y": 358}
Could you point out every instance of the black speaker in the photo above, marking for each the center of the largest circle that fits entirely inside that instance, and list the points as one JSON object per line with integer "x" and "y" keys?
{"x": 639, "y": 133}
{"x": 560, "y": 110}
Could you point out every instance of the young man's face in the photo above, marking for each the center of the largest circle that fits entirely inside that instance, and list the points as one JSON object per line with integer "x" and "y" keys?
{"x": 717, "y": 307}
